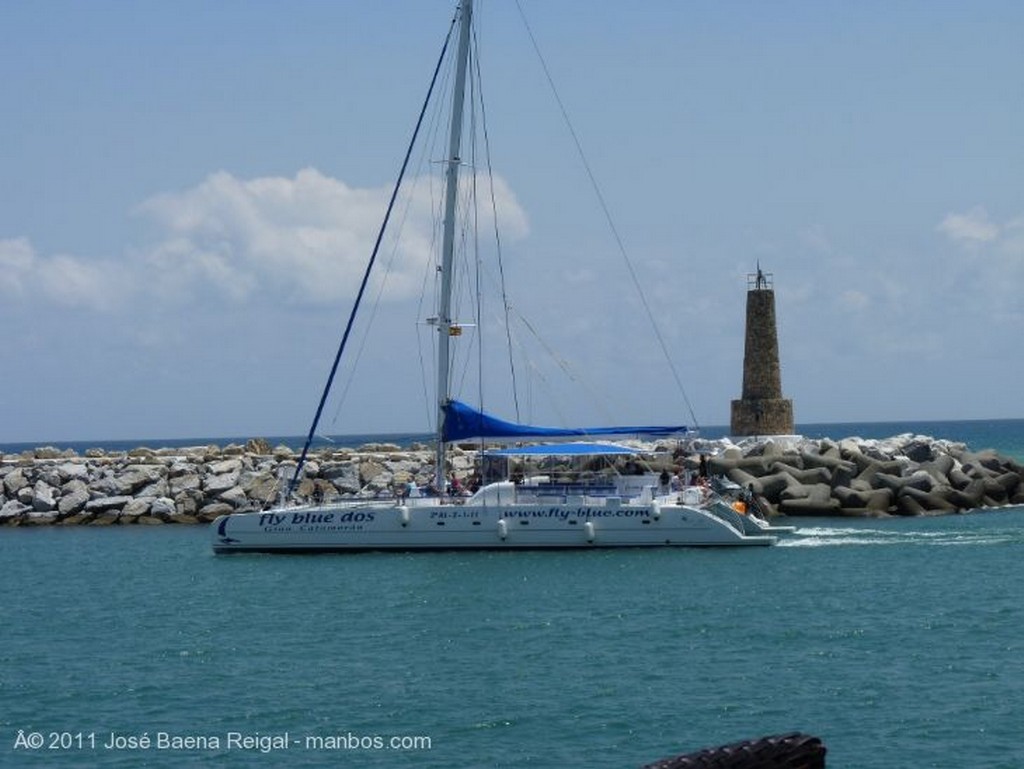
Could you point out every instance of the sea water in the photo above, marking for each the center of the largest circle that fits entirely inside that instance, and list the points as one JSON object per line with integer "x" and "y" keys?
{"x": 898, "y": 642}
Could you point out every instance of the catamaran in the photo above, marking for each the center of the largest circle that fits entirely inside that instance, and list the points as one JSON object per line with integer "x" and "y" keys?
{"x": 506, "y": 513}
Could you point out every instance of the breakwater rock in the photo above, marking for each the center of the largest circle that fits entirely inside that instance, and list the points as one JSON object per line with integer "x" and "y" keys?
{"x": 194, "y": 485}
{"x": 904, "y": 475}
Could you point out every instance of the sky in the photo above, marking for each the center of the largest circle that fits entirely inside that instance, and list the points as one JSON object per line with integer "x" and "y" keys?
{"x": 189, "y": 192}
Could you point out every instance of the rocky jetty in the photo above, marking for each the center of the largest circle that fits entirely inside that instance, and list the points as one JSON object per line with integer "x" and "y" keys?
{"x": 904, "y": 475}
{"x": 194, "y": 485}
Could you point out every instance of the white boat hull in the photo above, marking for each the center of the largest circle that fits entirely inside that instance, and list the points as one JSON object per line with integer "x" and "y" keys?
{"x": 430, "y": 525}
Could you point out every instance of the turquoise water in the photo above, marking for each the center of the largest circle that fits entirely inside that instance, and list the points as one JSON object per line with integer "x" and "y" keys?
{"x": 897, "y": 641}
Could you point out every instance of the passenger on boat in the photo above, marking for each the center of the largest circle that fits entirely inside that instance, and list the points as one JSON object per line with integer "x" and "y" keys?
{"x": 455, "y": 487}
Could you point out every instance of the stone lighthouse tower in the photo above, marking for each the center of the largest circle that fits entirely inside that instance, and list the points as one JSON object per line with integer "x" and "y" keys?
{"x": 761, "y": 410}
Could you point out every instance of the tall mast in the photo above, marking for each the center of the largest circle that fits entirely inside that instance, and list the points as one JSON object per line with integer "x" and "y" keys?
{"x": 444, "y": 317}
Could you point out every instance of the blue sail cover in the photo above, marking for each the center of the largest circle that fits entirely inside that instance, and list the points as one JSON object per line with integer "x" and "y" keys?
{"x": 462, "y": 421}
{"x": 564, "y": 450}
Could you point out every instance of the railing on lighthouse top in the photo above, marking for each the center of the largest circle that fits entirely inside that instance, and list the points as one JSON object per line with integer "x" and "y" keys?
{"x": 759, "y": 281}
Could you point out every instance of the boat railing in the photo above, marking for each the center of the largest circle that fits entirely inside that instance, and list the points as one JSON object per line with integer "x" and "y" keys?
{"x": 722, "y": 510}
{"x": 573, "y": 490}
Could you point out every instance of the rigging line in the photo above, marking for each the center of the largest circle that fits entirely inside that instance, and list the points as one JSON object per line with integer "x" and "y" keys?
{"x": 428, "y": 369}
{"x": 469, "y": 241}
{"x": 607, "y": 212}
{"x": 389, "y": 269}
{"x": 511, "y": 313}
{"x": 475, "y": 98}
{"x": 432, "y": 269}
{"x": 497, "y": 234}
{"x": 409, "y": 199}
{"x": 468, "y": 245}
{"x": 369, "y": 267}
{"x": 396, "y": 239}
{"x": 467, "y": 233}
{"x": 466, "y": 248}
{"x": 564, "y": 365}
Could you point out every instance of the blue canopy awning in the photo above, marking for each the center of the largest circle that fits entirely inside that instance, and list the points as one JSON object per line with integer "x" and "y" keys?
{"x": 462, "y": 421}
{"x": 563, "y": 450}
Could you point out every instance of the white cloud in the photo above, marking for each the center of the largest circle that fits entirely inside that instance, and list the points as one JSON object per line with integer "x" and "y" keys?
{"x": 62, "y": 280}
{"x": 184, "y": 269}
{"x": 997, "y": 264}
{"x": 303, "y": 234}
{"x": 982, "y": 289}
{"x": 306, "y": 238}
{"x": 973, "y": 227}
{"x": 854, "y": 300}
{"x": 74, "y": 282}
{"x": 1011, "y": 244}
{"x": 815, "y": 239}
{"x": 16, "y": 259}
